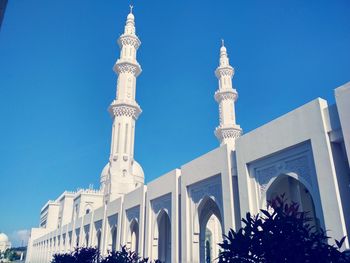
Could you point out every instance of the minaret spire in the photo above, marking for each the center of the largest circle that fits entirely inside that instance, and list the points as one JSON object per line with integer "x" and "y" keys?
{"x": 228, "y": 131}
{"x": 124, "y": 173}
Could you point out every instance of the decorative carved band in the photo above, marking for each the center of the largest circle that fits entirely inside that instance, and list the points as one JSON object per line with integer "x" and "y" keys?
{"x": 127, "y": 67}
{"x": 224, "y": 71}
{"x": 133, "y": 213}
{"x": 226, "y": 95}
{"x": 227, "y": 133}
{"x": 127, "y": 110}
{"x": 297, "y": 161}
{"x": 163, "y": 202}
{"x": 299, "y": 166}
{"x": 129, "y": 40}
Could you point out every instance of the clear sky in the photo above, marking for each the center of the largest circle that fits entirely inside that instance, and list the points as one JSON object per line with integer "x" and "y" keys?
{"x": 56, "y": 82}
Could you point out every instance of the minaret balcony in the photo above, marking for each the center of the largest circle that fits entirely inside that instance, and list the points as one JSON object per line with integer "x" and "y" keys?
{"x": 129, "y": 40}
{"x": 224, "y": 71}
{"x": 230, "y": 94}
{"x": 125, "y": 66}
{"x": 228, "y": 132}
{"x": 118, "y": 108}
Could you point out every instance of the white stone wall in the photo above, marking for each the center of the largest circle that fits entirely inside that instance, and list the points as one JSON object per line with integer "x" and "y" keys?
{"x": 309, "y": 144}
{"x": 305, "y": 124}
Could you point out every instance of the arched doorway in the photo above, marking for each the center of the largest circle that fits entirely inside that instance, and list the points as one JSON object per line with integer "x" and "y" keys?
{"x": 164, "y": 237}
{"x": 208, "y": 245}
{"x": 77, "y": 237}
{"x": 294, "y": 191}
{"x": 98, "y": 239}
{"x": 87, "y": 239}
{"x": 113, "y": 237}
{"x": 210, "y": 230}
{"x": 133, "y": 238}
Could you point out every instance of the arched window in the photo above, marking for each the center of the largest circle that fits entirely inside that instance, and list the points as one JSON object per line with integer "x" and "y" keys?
{"x": 164, "y": 237}
{"x": 88, "y": 208}
{"x": 87, "y": 239}
{"x": 114, "y": 238}
{"x": 133, "y": 238}
{"x": 77, "y": 240}
{"x": 207, "y": 251}
{"x": 210, "y": 232}
{"x": 294, "y": 191}
{"x": 98, "y": 239}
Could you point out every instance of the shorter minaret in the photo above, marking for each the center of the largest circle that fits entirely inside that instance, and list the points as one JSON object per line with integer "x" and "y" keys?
{"x": 228, "y": 131}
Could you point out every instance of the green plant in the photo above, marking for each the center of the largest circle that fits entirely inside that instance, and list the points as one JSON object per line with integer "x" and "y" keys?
{"x": 123, "y": 256}
{"x": 92, "y": 255}
{"x": 79, "y": 255}
{"x": 280, "y": 234}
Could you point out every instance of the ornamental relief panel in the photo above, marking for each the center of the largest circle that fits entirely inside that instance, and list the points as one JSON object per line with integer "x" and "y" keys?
{"x": 208, "y": 187}
{"x": 299, "y": 164}
{"x": 162, "y": 202}
{"x": 133, "y": 212}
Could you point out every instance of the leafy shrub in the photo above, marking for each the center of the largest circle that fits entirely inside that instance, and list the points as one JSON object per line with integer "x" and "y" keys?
{"x": 123, "y": 256}
{"x": 81, "y": 255}
{"x": 92, "y": 255}
{"x": 63, "y": 258}
{"x": 87, "y": 255}
{"x": 280, "y": 234}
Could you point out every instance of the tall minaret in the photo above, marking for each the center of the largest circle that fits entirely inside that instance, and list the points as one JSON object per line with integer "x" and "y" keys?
{"x": 228, "y": 130}
{"x": 123, "y": 174}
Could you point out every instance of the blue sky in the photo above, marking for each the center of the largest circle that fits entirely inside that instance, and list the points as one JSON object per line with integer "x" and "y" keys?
{"x": 56, "y": 82}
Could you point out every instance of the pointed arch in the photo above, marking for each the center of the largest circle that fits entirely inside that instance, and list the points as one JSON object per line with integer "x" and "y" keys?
{"x": 162, "y": 237}
{"x": 133, "y": 236}
{"x": 295, "y": 190}
{"x": 113, "y": 237}
{"x": 98, "y": 239}
{"x": 208, "y": 219}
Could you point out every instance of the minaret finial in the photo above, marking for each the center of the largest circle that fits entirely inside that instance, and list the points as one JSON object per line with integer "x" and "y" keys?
{"x": 131, "y": 8}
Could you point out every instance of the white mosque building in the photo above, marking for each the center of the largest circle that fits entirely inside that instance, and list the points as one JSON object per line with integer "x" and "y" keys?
{"x": 181, "y": 216}
{"x": 4, "y": 242}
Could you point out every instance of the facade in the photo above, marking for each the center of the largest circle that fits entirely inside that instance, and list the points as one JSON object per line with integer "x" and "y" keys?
{"x": 181, "y": 216}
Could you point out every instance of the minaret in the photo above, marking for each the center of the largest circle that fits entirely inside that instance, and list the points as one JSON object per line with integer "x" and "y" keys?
{"x": 123, "y": 174}
{"x": 228, "y": 131}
